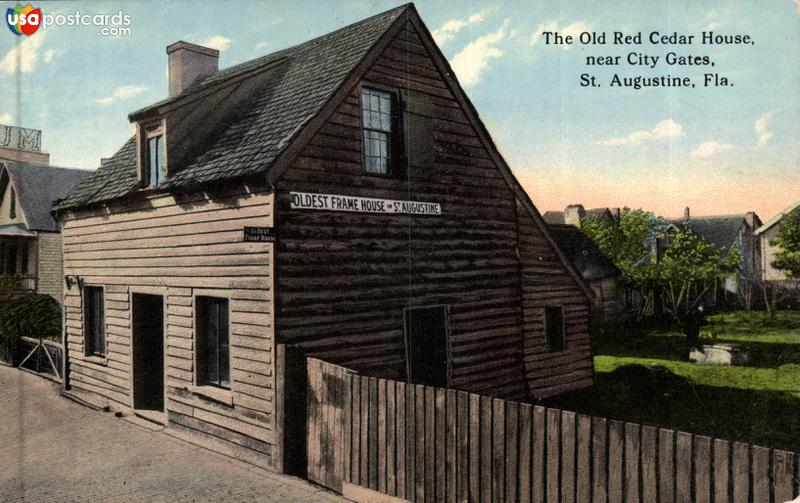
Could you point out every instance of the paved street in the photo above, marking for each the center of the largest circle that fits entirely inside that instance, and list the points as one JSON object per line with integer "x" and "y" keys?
{"x": 52, "y": 449}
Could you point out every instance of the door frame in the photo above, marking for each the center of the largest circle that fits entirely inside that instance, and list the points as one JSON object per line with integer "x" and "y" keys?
{"x": 161, "y": 292}
{"x": 446, "y": 308}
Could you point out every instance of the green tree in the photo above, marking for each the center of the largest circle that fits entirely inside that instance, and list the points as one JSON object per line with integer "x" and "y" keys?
{"x": 787, "y": 240}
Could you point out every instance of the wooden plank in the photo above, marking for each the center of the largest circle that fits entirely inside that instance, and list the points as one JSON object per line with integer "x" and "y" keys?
{"x": 474, "y": 448}
{"x": 553, "y": 453}
{"x": 401, "y": 439}
{"x": 649, "y": 464}
{"x": 616, "y": 453}
{"x": 355, "y": 464}
{"x": 382, "y": 436}
{"x": 451, "y": 445}
{"x": 599, "y": 460}
{"x": 430, "y": 444}
{"x": 391, "y": 438}
{"x": 512, "y": 451}
{"x": 419, "y": 436}
{"x": 525, "y": 420}
{"x": 568, "y": 451}
{"x": 486, "y": 449}
{"x": 722, "y": 470}
{"x": 347, "y": 432}
{"x": 539, "y": 463}
{"x": 498, "y": 449}
{"x": 365, "y": 427}
{"x": 702, "y": 469}
{"x": 312, "y": 431}
{"x": 440, "y": 443}
{"x": 583, "y": 455}
{"x": 760, "y": 470}
{"x": 783, "y": 470}
{"x": 373, "y": 433}
{"x": 683, "y": 467}
{"x": 741, "y": 472}
{"x": 632, "y": 454}
{"x": 462, "y": 447}
{"x": 338, "y": 447}
{"x": 411, "y": 445}
{"x": 666, "y": 465}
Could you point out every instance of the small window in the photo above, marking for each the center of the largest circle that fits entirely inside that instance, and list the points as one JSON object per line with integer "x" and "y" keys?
{"x": 13, "y": 204}
{"x": 94, "y": 326}
{"x": 213, "y": 366}
{"x": 377, "y": 116}
{"x": 156, "y": 160}
{"x": 554, "y": 327}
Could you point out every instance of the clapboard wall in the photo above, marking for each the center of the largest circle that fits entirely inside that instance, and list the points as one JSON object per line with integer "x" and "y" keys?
{"x": 544, "y": 285}
{"x": 343, "y": 279}
{"x": 179, "y": 247}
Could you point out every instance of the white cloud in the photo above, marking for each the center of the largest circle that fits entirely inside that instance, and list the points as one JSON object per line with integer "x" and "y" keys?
{"x": 474, "y": 57}
{"x": 710, "y": 148}
{"x": 572, "y": 29}
{"x": 761, "y": 124}
{"x": 217, "y": 42}
{"x": 49, "y": 54}
{"x": 262, "y": 45}
{"x": 664, "y": 130}
{"x": 5, "y": 118}
{"x": 122, "y": 93}
{"x": 26, "y": 53}
{"x": 449, "y": 29}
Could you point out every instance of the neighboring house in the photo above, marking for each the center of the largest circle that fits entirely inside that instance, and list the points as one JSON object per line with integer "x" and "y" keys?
{"x": 765, "y": 234}
{"x": 340, "y": 196}
{"x": 729, "y": 231}
{"x": 575, "y": 214}
{"x": 613, "y": 301}
{"x": 30, "y": 242}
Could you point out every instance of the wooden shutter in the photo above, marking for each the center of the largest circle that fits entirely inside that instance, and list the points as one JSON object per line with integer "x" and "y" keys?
{"x": 418, "y": 128}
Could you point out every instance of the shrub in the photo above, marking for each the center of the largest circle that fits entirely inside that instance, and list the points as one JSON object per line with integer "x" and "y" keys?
{"x": 32, "y": 315}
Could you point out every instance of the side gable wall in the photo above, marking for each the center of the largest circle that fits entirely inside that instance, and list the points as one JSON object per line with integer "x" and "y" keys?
{"x": 343, "y": 279}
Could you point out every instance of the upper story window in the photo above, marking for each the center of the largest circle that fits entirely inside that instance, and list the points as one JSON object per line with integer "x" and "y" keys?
{"x": 13, "y": 204}
{"x": 155, "y": 159}
{"x": 377, "y": 115}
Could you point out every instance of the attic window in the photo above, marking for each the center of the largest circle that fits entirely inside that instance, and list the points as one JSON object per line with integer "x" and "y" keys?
{"x": 377, "y": 112}
{"x": 155, "y": 161}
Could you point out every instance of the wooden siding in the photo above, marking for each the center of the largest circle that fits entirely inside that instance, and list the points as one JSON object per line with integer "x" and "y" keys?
{"x": 545, "y": 284}
{"x": 180, "y": 249}
{"x": 343, "y": 279}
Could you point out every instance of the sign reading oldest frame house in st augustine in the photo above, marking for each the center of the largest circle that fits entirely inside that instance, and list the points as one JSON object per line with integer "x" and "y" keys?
{"x": 334, "y": 202}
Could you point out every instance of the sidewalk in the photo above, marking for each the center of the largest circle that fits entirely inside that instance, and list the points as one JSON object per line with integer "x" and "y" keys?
{"x": 52, "y": 449}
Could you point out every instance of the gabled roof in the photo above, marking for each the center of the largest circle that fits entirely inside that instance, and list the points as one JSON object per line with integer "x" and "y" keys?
{"x": 583, "y": 252}
{"x": 777, "y": 218}
{"x": 303, "y": 79}
{"x": 717, "y": 230}
{"x": 37, "y": 187}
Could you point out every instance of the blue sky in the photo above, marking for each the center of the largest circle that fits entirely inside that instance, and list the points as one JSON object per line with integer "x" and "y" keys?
{"x": 716, "y": 149}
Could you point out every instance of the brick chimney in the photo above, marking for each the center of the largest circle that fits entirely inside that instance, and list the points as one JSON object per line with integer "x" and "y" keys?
{"x": 573, "y": 214}
{"x": 188, "y": 63}
{"x": 686, "y": 214}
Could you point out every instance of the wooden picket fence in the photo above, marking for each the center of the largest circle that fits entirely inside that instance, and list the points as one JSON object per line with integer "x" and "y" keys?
{"x": 378, "y": 439}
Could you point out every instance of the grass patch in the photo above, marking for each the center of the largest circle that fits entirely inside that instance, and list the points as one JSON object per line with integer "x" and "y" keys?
{"x": 641, "y": 376}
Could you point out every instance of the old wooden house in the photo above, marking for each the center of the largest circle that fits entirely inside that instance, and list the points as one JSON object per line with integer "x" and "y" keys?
{"x": 764, "y": 235}
{"x": 341, "y": 196}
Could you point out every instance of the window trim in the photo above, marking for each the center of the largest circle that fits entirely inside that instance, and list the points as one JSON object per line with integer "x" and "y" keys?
{"x": 547, "y": 347}
{"x": 146, "y": 131}
{"x": 212, "y": 390}
{"x": 396, "y": 147}
{"x": 94, "y": 356}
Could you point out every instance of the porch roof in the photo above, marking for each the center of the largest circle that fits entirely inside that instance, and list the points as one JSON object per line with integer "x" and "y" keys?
{"x": 16, "y": 231}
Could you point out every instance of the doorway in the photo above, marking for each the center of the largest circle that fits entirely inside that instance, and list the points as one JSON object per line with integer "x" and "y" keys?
{"x": 426, "y": 345}
{"x": 148, "y": 352}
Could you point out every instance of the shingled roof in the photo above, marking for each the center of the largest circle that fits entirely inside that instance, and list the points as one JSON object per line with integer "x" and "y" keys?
{"x": 584, "y": 254}
{"x": 303, "y": 78}
{"x": 37, "y": 187}
{"x": 717, "y": 230}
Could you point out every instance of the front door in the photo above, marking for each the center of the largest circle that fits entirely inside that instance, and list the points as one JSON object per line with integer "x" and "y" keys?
{"x": 426, "y": 345}
{"x": 148, "y": 351}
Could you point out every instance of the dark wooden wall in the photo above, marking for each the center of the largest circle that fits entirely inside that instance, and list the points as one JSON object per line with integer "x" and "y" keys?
{"x": 343, "y": 279}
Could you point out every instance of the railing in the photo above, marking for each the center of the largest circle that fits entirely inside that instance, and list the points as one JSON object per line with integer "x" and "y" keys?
{"x": 42, "y": 357}
{"x": 369, "y": 438}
